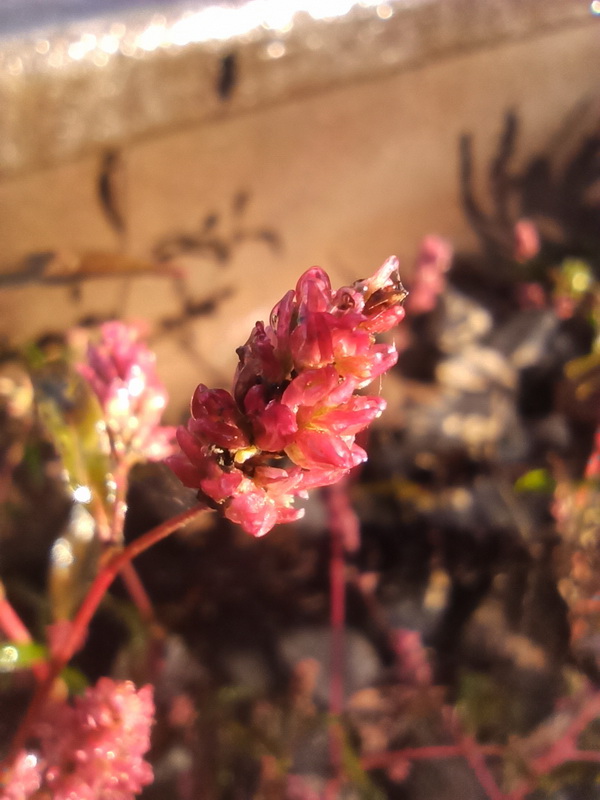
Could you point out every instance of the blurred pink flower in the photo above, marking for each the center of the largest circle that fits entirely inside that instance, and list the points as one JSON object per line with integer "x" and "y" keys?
{"x": 122, "y": 372}
{"x": 527, "y": 243}
{"x": 531, "y": 295}
{"x": 292, "y": 418}
{"x": 412, "y": 662}
{"x": 429, "y": 279}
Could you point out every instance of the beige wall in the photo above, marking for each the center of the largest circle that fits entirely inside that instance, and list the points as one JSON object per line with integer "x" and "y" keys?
{"x": 344, "y": 177}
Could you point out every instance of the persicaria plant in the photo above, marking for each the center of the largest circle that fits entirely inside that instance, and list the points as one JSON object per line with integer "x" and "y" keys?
{"x": 288, "y": 425}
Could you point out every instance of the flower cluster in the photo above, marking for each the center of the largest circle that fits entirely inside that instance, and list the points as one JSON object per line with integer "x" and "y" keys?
{"x": 92, "y": 749}
{"x": 122, "y": 372}
{"x": 291, "y": 421}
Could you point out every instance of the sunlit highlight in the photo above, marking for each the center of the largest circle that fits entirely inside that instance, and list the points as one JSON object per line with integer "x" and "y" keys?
{"x": 82, "y": 494}
{"x": 213, "y": 23}
{"x": 9, "y": 656}
{"x": 62, "y": 553}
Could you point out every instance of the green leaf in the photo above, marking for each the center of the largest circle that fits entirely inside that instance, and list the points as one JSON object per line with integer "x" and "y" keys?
{"x": 74, "y": 420}
{"x": 73, "y": 417}
{"x": 74, "y": 679}
{"x": 536, "y": 480}
{"x": 73, "y": 562}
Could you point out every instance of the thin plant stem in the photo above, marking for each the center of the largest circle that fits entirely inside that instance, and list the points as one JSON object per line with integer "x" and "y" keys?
{"x": 129, "y": 574}
{"x": 14, "y": 629}
{"x": 474, "y": 755}
{"x": 476, "y": 759}
{"x": 427, "y": 752}
{"x": 120, "y": 500}
{"x": 10, "y": 623}
{"x": 564, "y": 749}
{"x": 337, "y": 611}
{"x": 137, "y": 592}
{"x": 88, "y": 608}
{"x": 342, "y": 528}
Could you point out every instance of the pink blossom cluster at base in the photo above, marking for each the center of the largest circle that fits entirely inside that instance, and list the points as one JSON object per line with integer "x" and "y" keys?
{"x": 91, "y": 750}
{"x": 290, "y": 423}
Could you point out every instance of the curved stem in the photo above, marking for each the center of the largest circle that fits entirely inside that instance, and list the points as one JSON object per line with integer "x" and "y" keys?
{"x": 129, "y": 575}
{"x": 87, "y": 610}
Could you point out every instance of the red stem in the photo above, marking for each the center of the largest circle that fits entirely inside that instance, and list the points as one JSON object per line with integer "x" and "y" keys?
{"x": 564, "y": 749}
{"x": 337, "y": 608}
{"x": 10, "y": 622}
{"x": 474, "y": 756}
{"x": 12, "y": 626}
{"x": 87, "y": 610}
{"x": 382, "y": 760}
{"x": 129, "y": 574}
{"x": 138, "y": 593}
{"x": 343, "y": 527}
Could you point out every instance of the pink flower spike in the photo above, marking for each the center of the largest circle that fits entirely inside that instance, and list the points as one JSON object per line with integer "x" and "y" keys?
{"x": 293, "y": 400}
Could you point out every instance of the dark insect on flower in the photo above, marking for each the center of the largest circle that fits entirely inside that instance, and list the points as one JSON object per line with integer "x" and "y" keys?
{"x": 385, "y": 298}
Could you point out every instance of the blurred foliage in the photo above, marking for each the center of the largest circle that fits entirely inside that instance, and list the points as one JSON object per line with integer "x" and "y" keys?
{"x": 73, "y": 418}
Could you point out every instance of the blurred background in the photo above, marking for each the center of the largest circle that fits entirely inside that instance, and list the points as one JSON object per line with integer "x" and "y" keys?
{"x": 236, "y": 144}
